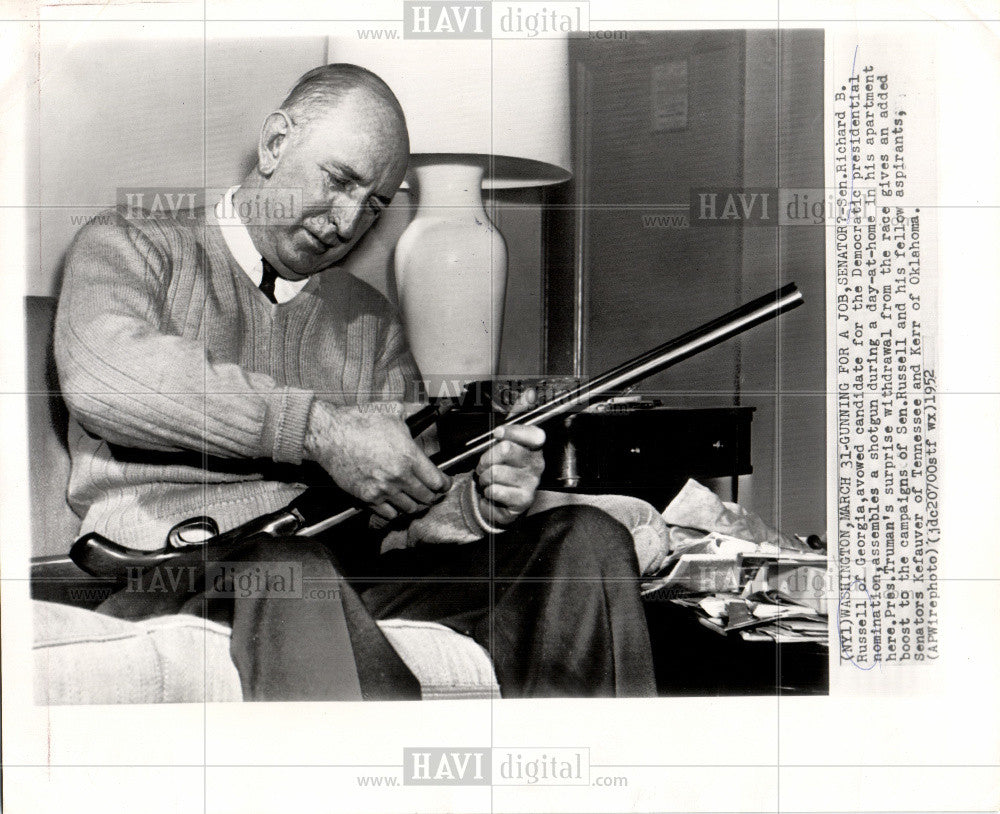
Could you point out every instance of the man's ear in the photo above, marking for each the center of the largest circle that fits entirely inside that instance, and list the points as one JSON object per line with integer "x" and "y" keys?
{"x": 273, "y": 140}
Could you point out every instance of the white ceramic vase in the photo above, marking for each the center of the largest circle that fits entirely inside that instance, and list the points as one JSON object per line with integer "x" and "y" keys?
{"x": 451, "y": 277}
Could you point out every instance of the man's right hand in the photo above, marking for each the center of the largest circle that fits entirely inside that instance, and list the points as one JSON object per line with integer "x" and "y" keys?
{"x": 369, "y": 453}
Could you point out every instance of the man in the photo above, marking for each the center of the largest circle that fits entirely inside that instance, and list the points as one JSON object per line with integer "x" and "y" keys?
{"x": 216, "y": 367}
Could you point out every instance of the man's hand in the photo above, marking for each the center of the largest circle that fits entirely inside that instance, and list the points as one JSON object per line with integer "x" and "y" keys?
{"x": 369, "y": 453}
{"x": 509, "y": 472}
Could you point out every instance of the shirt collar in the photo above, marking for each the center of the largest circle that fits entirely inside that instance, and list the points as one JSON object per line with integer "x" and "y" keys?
{"x": 241, "y": 246}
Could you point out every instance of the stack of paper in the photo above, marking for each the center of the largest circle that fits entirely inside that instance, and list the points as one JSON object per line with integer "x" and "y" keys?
{"x": 760, "y": 619}
{"x": 761, "y": 594}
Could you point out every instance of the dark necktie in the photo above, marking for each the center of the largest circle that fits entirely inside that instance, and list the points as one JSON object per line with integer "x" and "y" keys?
{"x": 267, "y": 280}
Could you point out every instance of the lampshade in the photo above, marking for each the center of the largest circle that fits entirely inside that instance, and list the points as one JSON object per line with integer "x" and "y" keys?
{"x": 502, "y": 104}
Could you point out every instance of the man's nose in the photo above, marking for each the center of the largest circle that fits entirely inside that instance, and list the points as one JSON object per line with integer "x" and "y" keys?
{"x": 346, "y": 214}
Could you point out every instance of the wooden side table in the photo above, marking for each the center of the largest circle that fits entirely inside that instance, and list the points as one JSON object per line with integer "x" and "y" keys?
{"x": 648, "y": 453}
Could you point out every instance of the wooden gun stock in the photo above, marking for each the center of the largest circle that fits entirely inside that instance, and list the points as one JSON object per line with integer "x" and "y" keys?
{"x": 318, "y": 510}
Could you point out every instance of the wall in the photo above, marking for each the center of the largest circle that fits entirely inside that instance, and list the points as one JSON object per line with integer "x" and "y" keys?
{"x": 783, "y": 371}
{"x": 748, "y": 123}
{"x": 645, "y": 284}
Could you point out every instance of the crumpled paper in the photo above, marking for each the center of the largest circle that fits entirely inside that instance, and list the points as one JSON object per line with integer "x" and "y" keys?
{"x": 696, "y": 511}
{"x": 711, "y": 533}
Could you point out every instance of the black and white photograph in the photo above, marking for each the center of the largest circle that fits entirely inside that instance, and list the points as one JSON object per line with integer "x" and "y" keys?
{"x": 482, "y": 399}
{"x": 228, "y": 413}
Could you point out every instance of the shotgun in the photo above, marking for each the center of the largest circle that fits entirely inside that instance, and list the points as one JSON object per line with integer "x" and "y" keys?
{"x": 198, "y": 540}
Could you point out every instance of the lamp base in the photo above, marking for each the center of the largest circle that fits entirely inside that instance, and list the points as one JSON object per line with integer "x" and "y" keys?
{"x": 451, "y": 276}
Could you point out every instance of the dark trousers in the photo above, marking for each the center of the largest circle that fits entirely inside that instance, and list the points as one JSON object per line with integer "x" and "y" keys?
{"x": 554, "y": 600}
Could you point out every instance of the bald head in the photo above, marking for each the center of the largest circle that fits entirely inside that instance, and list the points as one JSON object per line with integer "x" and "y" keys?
{"x": 328, "y": 87}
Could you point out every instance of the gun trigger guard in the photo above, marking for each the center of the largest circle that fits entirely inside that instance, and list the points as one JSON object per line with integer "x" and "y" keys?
{"x": 193, "y": 531}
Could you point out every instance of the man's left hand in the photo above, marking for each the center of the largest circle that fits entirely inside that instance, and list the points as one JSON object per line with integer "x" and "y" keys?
{"x": 509, "y": 472}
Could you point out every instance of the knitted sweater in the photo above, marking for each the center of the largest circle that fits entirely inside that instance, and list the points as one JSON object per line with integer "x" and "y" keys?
{"x": 190, "y": 391}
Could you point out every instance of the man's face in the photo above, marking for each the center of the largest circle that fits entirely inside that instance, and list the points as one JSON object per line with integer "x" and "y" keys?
{"x": 346, "y": 164}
